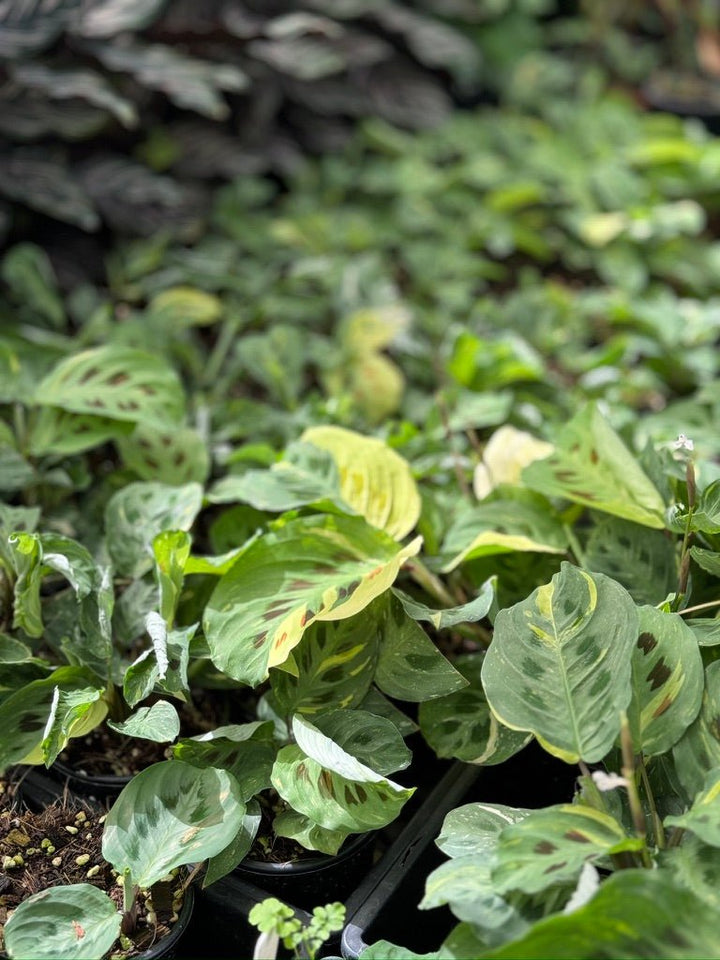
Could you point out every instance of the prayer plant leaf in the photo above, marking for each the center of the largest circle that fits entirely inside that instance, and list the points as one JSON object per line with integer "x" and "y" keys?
{"x": 77, "y": 921}
{"x": 331, "y": 787}
{"x": 668, "y": 681}
{"x": 469, "y": 612}
{"x": 24, "y": 715}
{"x": 374, "y": 741}
{"x": 171, "y": 550}
{"x": 312, "y": 568}
{"x": 62, "y": 432}
{"x": 245, "y": 750}
{"x": 551, "y": 845}
{"x": 160, "y": 723}
{"x": 117, "y": 382}
{"x": 410, "y": 666}
{"x": 296, "y": 826}
{"x": 225, "y": 861}
{"x": 641, "y": 559}
{"x": 168, "y": 815}
{"x": 502, "y": 526}
{"x": 703, "y": 817}
{"x": 164, "y": 668}
{"x": 374, "y": 480}
{"x": 635, "y": 913}
{"x": 474, "y": 828}
{"x": 138, "y": 512}
{"x": 175, "y": 456}
{"x": 591, "y": 465}
{"x": 559, "y": 663}
{"x": 336, "y": 665}
{"x": 462, "y": 725}
{"x": 697, "y": 752}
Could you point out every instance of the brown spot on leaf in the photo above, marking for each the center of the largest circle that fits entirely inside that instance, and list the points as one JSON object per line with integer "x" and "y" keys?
{"x": 325, "y": 785}
{"x": 577, "y": 836}
{"x": 555, "y": 866}
{"x": 659, "y": 674}
{"x": 544, "y": 846}
{"x": 117, "y": 379}
{"x": 667, "y": 702}
{"x": 260, "y": 640}
{"x": 77, "y": 930}
{"x": 594, "y": 456}
{"x": 646, "y": 642}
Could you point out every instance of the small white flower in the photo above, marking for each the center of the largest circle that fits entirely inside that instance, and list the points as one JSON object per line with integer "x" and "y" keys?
{"x": 608, "y": 781}
{"x": 683, "y": 443}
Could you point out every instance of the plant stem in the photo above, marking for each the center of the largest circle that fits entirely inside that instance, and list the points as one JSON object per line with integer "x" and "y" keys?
{"x": 657, "y": 823}
{"x": 628, "y": 771}
{"x": 220, "y": 349}
{"x": 699, "y": 606}
{"x": 687, "y": 536}
{"x": 433, "y": 585}
{"x": 574, "y": 544}
{"x": 457, "y": 467}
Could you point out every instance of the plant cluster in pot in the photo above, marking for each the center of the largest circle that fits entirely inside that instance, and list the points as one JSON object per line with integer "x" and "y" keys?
{"x": 615, "y": 673}
{"x": 168, "y": 816}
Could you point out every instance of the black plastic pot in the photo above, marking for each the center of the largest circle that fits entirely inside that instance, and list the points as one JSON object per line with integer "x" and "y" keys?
{"x": 42, "y": 786}
{"x": 169, "y": 946}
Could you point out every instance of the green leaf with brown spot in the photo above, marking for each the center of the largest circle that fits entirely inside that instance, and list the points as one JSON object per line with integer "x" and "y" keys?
{"x": 374, "y": 480}
{"x": 462, "y": 725}
{"x": 116, "y": 382}
{"x": 549, "y": 846}
{"x": 559, "y": 663}
{"x": 311, "y": 569}
{"x": 703, "y": 817}
{"x": 336, "y": 665}
{"x": 171, "y": 814}
{"x": 668, "y": 681}
{"x": 331, "y": 787}
{"x": 175, "y": 456}
{"x": 591, "y": 465}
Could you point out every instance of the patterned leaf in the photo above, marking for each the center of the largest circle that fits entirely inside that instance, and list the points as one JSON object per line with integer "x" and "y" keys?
{"x": 703, "y": 817}
{"x": 559, "y": 663}
{"x": 138, "y": 512}
{"x": 668, "y": 681}
{"x": 164, "y": 668}
{"x": 374, "y": 479}
{"x": 168, "y": 815}
{"x": 336, "y": 665}
{"x": 228, "y": 858}
{"x": 551, "y": 845}
{"x": 462, "y": 725}
{"x": 56, "y": 431}
{"x": 43, "y": 180}
{"x": 167, "y": 456}
{"x": 27, "y": 26}
{"x": 410, "y": 666}
{"x": 636, "y": 913}
{"x": 28, "y": 272}
{"x": 85, "y": 85}
{"x": 469, "y": 612}
{"x": 641, "y": 559}
{"x": 296, "y": 826}
{"x": 474, "y": 828}
{"x": 245, "y": 750}
{"x": 591, "y": 465}
{"x": 115, "y": 382}
{"x": 319, "y": 779}
{"x": 76, "y": 920}
{"x": 502, "y": 526}
{"x": 698, "y": 750}
{"x": 374, "y": 741}
{"x": 106, "y": 18}
{"x": 313, "y": 568}
{"x": 160, "y": 723}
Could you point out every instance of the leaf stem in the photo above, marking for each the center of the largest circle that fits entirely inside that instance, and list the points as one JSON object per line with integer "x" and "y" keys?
{"x": 657, "y": 823}
{"x": 629, "y": 773}
{"x": 699, "y": 606}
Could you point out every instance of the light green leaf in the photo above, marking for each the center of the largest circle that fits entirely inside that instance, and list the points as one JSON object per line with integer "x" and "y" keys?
{"x": 375, "y": 702}
{"x": 591, "y": 465}
{"x": 476, "y": 609}
{"x": 77, "y": 921}
{"x": 410, "y": 666}
{"x": 559, "y": 663}
{"x": 474, "y": 828}
{"x": 160, "y": 723}
{"x": 14, "y": 520}
{"x": 61, "y": 432}
{"x": 336, "y": 665}
{"x": 168, "y": 815}
{"x": 138, "y": 512}
{"x": 171, "y": 550}
{"x": 709, "y": 560}
{"x": 705, "y": 516}
{"x": 306, "y": 476}
{"x": 70, "y": 709}
{"x": 24, "y": 714}
{"x": 298, "y": 827}
{"x": 15, "y": 472}
{"x": 186, "y": 306}
{"x": 636, "y": 913}
{"x": 551, "y": 845}
{"x": 312, "y": 568}
{"x": 697, "y": 752}
{"x": 374, "y": 479}
{"x": 703, "y": 817}
{"x": 27, "y": 271}
{"x": 167, "y": 674}
{"x": 116, "y": 382}
{"x": 463, "y": 726}
{"x": 668, "y": 681}
{"x": 502, "y": 526}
